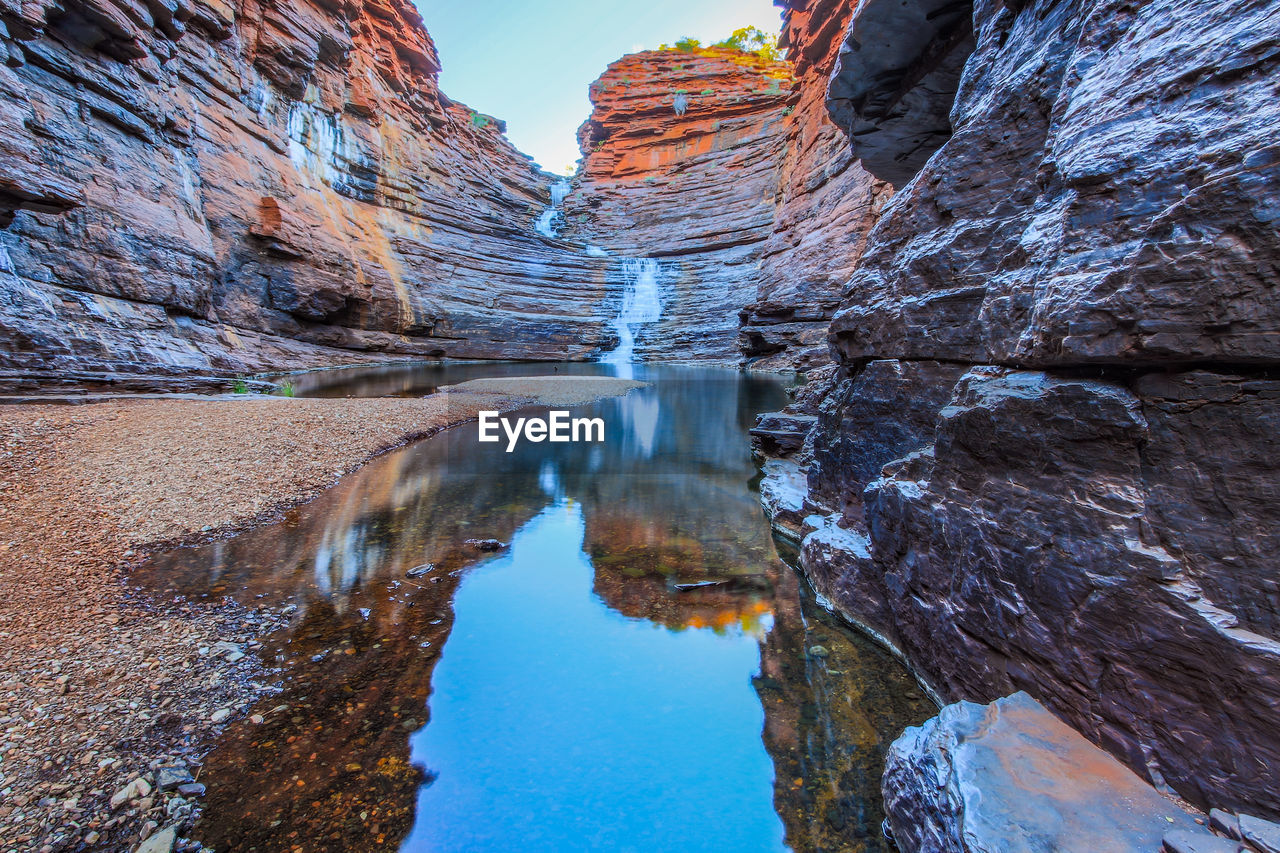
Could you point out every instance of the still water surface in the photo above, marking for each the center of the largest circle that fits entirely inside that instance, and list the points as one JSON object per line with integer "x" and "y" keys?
{"x": 561, "y": 693}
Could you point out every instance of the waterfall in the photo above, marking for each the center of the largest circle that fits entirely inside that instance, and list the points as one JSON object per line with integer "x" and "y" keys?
{"x": 546, "y": 222}
{"x": 641, "y": 304}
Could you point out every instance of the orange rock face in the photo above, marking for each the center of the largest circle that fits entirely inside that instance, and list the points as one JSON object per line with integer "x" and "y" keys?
{"x": 190, "y": 186}
{"x": 826, "y": 204}
{"x": 728, "y": 169}
{"x": 681, "y": 163}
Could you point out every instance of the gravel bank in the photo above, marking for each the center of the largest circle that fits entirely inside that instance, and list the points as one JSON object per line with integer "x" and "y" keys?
{"x": 100, "y": 688}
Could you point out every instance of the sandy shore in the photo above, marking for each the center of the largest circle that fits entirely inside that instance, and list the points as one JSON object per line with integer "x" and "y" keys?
{"x": 100, "y": 687}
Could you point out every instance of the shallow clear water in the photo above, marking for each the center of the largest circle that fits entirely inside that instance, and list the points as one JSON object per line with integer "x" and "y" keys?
{"x": 562, "y": 693}
{"x": 419, "y": 378}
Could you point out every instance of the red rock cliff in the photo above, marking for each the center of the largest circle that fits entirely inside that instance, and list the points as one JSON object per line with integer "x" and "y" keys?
{"x": 190, "y": 185}
{"x": 729, "y": 169}
{"x": 681, "y": 163}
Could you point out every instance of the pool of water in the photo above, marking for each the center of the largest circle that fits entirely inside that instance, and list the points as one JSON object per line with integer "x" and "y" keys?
{"x": 570, "y": 691}
{"x": 419, "y": 378}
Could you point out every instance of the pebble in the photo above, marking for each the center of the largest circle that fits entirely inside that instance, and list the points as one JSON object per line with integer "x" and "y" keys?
{"x": 168, "y": 778}
{"x": 220, "y": 715}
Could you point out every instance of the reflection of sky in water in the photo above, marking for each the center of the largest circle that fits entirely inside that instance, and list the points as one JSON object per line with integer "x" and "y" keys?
{"x": 581, "y": 701}
{"x": 550, "y": 710}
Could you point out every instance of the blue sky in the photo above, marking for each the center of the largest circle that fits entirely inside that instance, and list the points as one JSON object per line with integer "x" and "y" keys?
{"x": 530, "y": 63}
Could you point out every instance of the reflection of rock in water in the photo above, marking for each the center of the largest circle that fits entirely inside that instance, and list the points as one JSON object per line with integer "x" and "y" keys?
{"x": 833, "y": 702}
{"x": 329, "y": 767}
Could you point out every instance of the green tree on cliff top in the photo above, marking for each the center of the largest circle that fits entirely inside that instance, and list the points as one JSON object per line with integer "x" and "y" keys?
{"x": 752, "y": 40}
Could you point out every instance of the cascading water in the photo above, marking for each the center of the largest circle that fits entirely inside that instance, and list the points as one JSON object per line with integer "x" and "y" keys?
{"x": 641, "y": 304}
{"x": 546, "y": 224}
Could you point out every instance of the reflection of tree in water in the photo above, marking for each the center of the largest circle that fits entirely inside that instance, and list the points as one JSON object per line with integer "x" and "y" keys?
{"x": 833, "y": 702}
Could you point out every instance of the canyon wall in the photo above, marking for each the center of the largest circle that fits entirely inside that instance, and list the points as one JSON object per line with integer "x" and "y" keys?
{"x": 681, "y": 160}
{"x": 1046, "y": 460}
{"x": 727, "y": 169}
{"x": 190, "y": 185}
{"x": 825, "y": 205}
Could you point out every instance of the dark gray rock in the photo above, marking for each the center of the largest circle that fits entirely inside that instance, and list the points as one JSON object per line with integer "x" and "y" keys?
{"x": 1184, "y": 841}
{"x": 1010, "y": 776}
{"x": 1091, "y": 512}
{"x": 1261, "y": 835}
{"x": 168, "y": 778}
{"x": 896, "y": 78}
{"x": 1224, "y": 823}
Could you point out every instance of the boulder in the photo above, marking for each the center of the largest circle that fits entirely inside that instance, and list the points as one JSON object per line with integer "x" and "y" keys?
{"x": 1010, "y": 776}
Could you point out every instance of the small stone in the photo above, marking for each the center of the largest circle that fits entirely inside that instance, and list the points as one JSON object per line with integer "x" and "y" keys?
{"x": 256, "y": 719}
{"x": 1224, "y": 823}
{"x": 1189, "y": 841}
{"x": 419, "y": 571}
{"x": 91, "y": 837}
{"x": 161, "y": 842}
{"x": 485, "y": 544}
{"x": 818, "y": 652}
{"x": 136, "y": 789}
{"x": 148, "y": 829}
{"x": 168, "y": 778}
{"x": 191, "y": 789}
{"x": 220, "y": 715}
{"x": 1261, "y": 834}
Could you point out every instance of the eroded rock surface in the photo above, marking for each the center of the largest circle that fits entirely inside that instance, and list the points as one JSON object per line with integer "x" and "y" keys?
{"x": 1045, "y": 462}
{"x": 681, "y": 163}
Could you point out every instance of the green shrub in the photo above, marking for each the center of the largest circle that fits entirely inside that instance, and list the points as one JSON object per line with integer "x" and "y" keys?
{"x": 688, "y": 45}
{"x": 285, "y": 388}
{"x": 240, "y": 387}
{"x": 753, "y": 40}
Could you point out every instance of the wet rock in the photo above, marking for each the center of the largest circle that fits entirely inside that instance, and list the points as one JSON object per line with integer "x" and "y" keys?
{"x": 485, "y": 544}
{"x": 1011, "y": 776}
{"x": 419, "y": 571}
{"x": 191, "y": 789}
{"x": 220, "y": 715}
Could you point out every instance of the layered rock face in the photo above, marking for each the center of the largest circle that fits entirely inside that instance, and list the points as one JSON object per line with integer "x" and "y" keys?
{"x": 193, "y": 186}
{"x": 728, "y": 170}
{"x": 681, "y": 163}
{"x": 1047, "y": 459}
{"x": 825, "y": 199}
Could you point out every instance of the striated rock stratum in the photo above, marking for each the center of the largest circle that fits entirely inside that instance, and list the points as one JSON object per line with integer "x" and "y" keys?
{"x": 1046, "y": 461}
{"x": 191, "y": 185}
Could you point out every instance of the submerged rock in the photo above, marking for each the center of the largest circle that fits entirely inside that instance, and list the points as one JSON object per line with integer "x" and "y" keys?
{"x": 1010, "y": 776}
